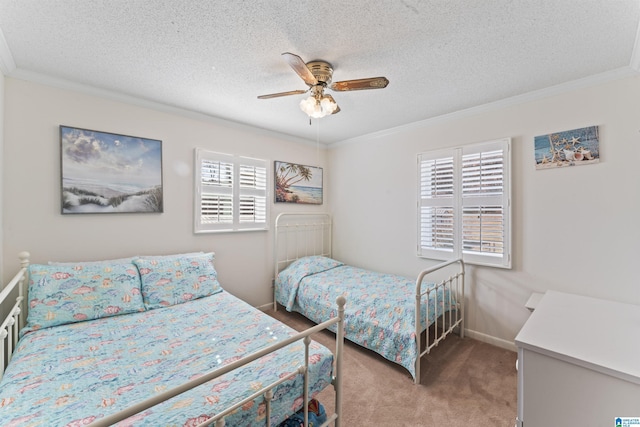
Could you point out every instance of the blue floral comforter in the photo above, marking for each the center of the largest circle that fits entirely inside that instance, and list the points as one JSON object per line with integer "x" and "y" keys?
{"x": 380, "y": 309}
{"x": 70, "y": 375}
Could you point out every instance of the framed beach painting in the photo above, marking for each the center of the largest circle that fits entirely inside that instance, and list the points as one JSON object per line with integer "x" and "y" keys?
{"x": 105, "y": 172}
{"x": 567, "y": 148}
{"x": 298, "y": 183}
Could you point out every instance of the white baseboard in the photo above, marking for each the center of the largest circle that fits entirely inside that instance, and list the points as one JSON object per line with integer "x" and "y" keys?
{"x": 498, "y": 342}
{"x": 265, "y": 307}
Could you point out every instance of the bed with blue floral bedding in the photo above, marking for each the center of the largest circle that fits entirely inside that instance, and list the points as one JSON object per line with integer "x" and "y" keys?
{"x": 380, "y": 310}
{"x": 101, "y": 337}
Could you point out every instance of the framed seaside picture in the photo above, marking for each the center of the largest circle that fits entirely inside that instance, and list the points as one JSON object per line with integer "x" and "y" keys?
{"x": 567, "y": 148}
{"x": 298, "y": 183}
{"x": 109, "y": 173}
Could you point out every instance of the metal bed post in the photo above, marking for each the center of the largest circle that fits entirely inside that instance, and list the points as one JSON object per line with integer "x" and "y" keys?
{"x": 337, "y": 379}
{"x": 459, "y": 307}
{"x": 24, "y": 263}
{"x": 418, "y": 325}
{"x": 461, "y": 301}
{"x": 305, "y": 392}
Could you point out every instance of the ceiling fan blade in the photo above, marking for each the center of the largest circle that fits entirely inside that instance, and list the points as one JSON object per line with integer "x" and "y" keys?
{"x": 276, "y": 95}
{"x": 360, "y": 84}
{"x": 300, "y": 68}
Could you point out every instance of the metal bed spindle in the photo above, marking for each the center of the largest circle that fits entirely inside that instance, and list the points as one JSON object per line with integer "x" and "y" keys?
{"x": 219, "y": 419}
{"x": 305, "y": 410}
{"x": 451, "y": 284}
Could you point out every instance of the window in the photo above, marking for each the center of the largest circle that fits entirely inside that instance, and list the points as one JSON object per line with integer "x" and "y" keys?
{"x": 231, "y": 193}
{"x": 464, "y": 207}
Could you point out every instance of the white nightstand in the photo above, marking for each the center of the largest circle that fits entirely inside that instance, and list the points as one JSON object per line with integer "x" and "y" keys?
{"x": 578, "y": 360}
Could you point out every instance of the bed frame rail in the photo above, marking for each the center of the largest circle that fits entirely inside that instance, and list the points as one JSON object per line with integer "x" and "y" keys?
{"x": 448, "y": 295}
{"x": 15, "y": 318}
{"x": 218, "y": 420}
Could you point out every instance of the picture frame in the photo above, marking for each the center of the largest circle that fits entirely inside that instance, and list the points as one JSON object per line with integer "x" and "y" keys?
{"x": 576, "y": 147}
{"x": 103, "y": 172}
{"x": 296, "y": 183}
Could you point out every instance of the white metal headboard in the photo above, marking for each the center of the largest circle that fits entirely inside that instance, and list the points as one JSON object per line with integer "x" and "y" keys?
{"x": 299, "y": 235}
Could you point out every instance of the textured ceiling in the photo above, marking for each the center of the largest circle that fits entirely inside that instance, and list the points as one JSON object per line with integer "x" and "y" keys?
{"x": 216, "y": 57}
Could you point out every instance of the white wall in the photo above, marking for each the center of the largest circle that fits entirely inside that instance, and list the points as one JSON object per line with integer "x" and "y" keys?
{"x": 1, "y": 164}
{"x": 31, "y": 202}
{"x": 574, "y": 229}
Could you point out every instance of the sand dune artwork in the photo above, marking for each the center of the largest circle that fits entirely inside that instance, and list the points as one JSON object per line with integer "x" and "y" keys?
{"x": 109, "y": 173}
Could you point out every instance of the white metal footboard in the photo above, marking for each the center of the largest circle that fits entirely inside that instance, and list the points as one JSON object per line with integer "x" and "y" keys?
{"x": 451, "y": 289}
{"x": 14, "y": 321}
{"x": 218, "y": 419}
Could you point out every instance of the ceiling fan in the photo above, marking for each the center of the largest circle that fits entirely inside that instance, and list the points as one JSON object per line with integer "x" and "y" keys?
{"x": 317, "y": 75}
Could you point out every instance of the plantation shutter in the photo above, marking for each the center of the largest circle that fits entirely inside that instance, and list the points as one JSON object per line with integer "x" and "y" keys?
{"x": 216, "y": 192}
{"x": 436, "y": 205}
{"x": 464, "y": 204}
{"x": 231, "y": 193}
{"x": 252, "y": 193}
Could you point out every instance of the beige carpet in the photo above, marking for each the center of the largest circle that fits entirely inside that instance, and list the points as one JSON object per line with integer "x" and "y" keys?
{"x": 464, "y": 383}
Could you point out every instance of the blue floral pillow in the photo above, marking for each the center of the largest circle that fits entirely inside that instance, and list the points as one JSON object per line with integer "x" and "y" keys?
{"x": 174, "y": 280}
{"x": 60, "y": 294}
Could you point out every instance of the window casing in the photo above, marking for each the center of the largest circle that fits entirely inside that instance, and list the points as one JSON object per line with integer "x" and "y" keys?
{"x": 230, "y": 193}
{"x": 464, "y": 203}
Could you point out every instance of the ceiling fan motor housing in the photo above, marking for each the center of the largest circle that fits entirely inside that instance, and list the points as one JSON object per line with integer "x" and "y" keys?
{"x": 321, "y": 70}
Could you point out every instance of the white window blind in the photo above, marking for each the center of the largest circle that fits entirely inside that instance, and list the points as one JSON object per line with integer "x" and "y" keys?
{"x": 464, "y": 204}
{"x": 231, "y": 193}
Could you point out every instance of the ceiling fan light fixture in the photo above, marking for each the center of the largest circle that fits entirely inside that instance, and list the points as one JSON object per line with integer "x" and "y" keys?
{"x": 318, "y": 107}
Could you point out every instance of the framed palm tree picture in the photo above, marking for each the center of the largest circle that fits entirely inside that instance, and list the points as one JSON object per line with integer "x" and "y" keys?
{"x": 297, "y": 183}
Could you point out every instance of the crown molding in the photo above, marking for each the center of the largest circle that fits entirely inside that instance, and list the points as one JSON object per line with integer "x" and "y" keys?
{"x": 7, "y": 64}
{"x": 58, "y": 83}
{"x": 597, "y": 79}
{"x": 8, "y": 68}
{"x": 635, "y": 54}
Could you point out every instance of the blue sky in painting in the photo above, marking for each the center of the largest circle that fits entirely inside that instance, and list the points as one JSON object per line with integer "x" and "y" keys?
{"x": 110, "y": 158}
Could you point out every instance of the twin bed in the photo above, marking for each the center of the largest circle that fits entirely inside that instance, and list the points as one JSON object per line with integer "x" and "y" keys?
{"x": 157, "y": 340}
{"x": 400, "y": 318}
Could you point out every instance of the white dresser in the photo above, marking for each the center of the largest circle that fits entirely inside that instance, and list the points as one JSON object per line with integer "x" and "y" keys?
{"x": 578, "y": 362}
